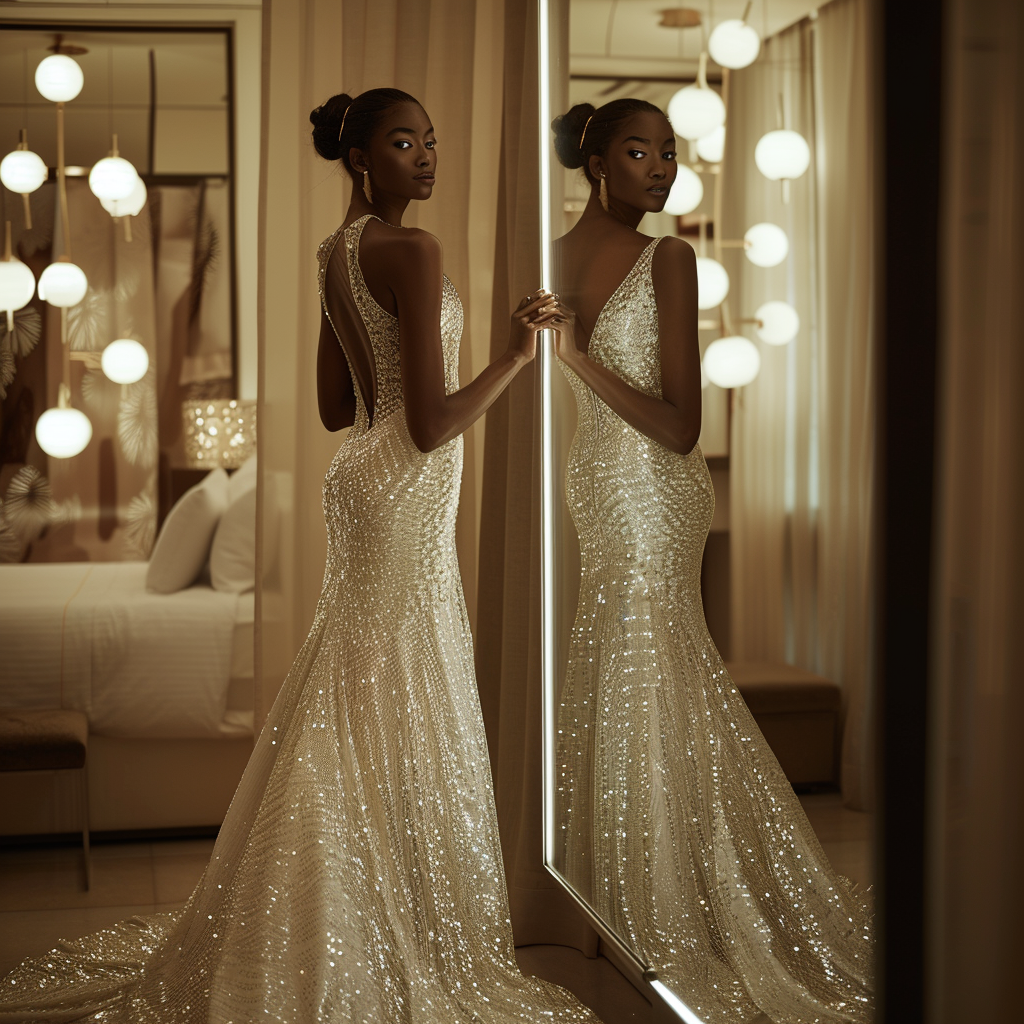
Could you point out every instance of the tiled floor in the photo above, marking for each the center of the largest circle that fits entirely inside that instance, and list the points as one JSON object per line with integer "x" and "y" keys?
{"x": 42, "y": 899}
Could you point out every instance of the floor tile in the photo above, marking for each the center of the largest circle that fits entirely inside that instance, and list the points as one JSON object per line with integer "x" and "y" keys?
{"x": 174, "y": 878}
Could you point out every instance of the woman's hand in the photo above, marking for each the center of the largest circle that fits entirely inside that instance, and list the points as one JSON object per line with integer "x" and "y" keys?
{"x": 534, "y": 313}
{"x": 563, "y": 323}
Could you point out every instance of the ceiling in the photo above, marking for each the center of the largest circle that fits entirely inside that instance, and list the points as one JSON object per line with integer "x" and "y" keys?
{"x": 619, "y": 38}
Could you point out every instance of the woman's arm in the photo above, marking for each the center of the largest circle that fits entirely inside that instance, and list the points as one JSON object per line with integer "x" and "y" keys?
{"x": 433, "y": 416}
{"x": 674, "y": 419}
{"x": 335, "y": 394}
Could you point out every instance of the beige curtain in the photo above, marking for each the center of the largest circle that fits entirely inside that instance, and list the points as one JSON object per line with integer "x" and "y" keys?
{"x": 447, "y": 54}
{"x": 977, "y": 701}
{"x": 801, "y": 466}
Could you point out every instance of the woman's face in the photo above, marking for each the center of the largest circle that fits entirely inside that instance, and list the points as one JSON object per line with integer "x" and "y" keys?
{"x": 402, "y": 154}
{"x": 640, "y": 163}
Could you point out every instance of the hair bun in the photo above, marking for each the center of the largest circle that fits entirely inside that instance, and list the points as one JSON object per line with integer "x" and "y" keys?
{"x": 327, "y": 121}
{"x": 568, "y": 129}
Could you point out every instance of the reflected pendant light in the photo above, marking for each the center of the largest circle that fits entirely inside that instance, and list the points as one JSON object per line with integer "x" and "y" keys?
{"x": 130, "y": 206}
{"x": 778, "y": 322}
{"x": 686, "y": 193}
{"x": 696, "y": 110}
{"x": 59, "y": 78}
{"x": 712, "y": 283}
{"x": 63, "y": 284}
{"x": 712, "y": 147}
{"x": 113, "y": 177}
{"x": 782, "y": 155}
{"x": 17, "y": 283}
{"x": 732, "y": 362}
{"x": 766, "y": 245}
{"x": 734, "y": 44}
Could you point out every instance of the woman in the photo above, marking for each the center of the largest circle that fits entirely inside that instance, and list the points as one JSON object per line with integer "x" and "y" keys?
{"x": 680, "y": 827}
{"x": 358, "y": 874}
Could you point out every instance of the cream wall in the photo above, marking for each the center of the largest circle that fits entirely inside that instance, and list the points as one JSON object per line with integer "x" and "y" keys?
{"x": 244, "y": 20}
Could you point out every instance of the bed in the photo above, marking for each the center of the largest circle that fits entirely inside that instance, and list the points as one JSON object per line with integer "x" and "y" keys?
{"x": 165, "y": 679}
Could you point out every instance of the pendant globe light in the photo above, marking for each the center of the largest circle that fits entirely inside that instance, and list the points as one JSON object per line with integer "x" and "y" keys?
{"x": 17, "y": 284}
{"x": 712, "y": 147}
{"x": 696, "y": 110}
{"x": 59, "y": 78}
{"x": 23, "y": 171}
{"x": 734, "y": 44}
{"x": 127, "y": 208}
{"x": 732, "y": 362}
{"x": 63, "y": 284}
{"x": 686, "y": 193}
{"x": 712, "y": 283}
{"x": 124, "y": 361}
{"x": 766, "y": 245}
{"x": 778, "y": 322}
{"x": 782, "y": 155}
{"x": 113, "y": 177}
{"x": 63, "y": 432}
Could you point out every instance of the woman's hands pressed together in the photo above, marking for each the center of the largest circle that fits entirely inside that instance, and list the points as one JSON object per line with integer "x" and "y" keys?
{"x": 534, "y": 313}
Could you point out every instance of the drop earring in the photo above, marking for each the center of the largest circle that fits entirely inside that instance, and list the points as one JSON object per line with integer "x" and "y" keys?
{"x": 367, "y": 191}
{"x": 603, "y": 193}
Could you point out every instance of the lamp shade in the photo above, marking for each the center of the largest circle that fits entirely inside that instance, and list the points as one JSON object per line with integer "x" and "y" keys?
{"x": 712, "y": 147}
{"x": 712, "y": 283}
{"x": 22, "y": 171}
{"x": 734, "y": 44}
{"x": 63, "y": 284}
{"x": 221, "y": 432}
{"x": 696, "y": 112}
{"x": 767, "y": 245}
{"x": 130, "y": 207}
{"x": 59, "y": 78}
{"x": 782, "y": 154}
{"x": 780, "y": 322}
{"x": 686, "y": 193}
{"x": 125, "y": 361}
{"x": 113, "y": 177}
{"x": 732, "y": 362}
{"x": 63, "y": 433}
{"x": 17, "y": 285}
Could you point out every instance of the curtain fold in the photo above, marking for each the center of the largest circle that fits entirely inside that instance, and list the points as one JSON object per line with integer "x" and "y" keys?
{"x": 802, "y": 451}
{"x": 976, "y": 702}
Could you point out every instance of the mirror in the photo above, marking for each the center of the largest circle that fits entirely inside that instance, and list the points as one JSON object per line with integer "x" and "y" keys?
{"x": 706, "y": 658}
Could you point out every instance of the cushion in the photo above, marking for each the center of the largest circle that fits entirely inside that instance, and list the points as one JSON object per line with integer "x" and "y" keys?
{"x": 773, "y": 689}
{"x": 184, "y": 542}
{"x": 34, "y": 740}
{"x": 233, "y": 555}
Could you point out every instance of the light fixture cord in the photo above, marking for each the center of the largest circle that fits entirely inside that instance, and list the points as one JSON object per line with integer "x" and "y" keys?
{"x": 62, "y": 190}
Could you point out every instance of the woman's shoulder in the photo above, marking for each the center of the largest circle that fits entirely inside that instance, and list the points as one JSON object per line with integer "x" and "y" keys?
{"x": 403, "y": 243}
{"x": 673, "y": 256}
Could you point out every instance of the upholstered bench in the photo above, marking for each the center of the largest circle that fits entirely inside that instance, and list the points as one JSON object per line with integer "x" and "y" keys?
{"x": 49, "y": 740}
{"x": 798, "y": 713}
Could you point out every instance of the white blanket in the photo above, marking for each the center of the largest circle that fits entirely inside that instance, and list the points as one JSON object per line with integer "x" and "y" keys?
{"x": 89, "y": 636}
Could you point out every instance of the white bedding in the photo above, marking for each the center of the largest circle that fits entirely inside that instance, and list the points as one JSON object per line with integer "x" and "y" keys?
{"x": 89, "y": 636}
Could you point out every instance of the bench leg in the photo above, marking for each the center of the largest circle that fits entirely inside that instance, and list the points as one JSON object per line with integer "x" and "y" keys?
{"x": 83, "y": 782}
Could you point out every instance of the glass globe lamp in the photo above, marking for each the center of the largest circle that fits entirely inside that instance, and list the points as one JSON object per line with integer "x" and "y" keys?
{"x": 767, "y": 245}
{"x": 712, "y": 283}
{"x": 129, "y": 207}
{"x": 63, "y": 432}
{"x": 125, "y": 361}
{"x": 779, "y": 322}
{"x": 59, "y": 78}
{"x": 731, "y": 362}
{"x": 696, "y": 111}
{"x": 22, "y": 171}
{"x": 112, "y": 178}
{"x": 734, "y": 44}
{"x": 63, "y": 284}
{"x": 686, "y": 193}
{"x": 712, "y": 147}
{"x": 17, "y": 286}
{"x": 782, "y": 154}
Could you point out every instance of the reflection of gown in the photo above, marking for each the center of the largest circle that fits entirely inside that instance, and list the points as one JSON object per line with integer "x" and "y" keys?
{"x": 679, "y": 826}
{"x": 358, "y": 874}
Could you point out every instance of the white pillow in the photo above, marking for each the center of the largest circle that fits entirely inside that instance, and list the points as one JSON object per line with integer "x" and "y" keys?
{"x": 233, "y": 555}
{"x": 242, "y": 479}
{"x": 185, "y": 538}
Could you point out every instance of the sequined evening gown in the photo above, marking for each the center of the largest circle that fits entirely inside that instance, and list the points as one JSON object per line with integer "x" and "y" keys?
{"x": 678, "y": 824}
{"x": 358, "y": 874}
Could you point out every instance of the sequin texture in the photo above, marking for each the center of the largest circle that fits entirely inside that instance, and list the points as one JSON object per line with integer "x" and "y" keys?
{"x": 677, "y": 823}
{"x": 358, "y": 874}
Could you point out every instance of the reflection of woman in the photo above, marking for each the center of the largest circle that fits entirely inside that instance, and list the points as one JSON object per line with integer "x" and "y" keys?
{"x": 679, "y": 826}
{"x": 358, "y": 873}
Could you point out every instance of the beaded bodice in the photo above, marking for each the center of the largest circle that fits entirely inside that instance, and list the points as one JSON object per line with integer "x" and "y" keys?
{"x": 382, "y": 328}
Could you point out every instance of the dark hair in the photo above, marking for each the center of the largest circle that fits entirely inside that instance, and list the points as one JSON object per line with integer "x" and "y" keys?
{"x": 575, "y": 148}
{"x": 361, "y": 118}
